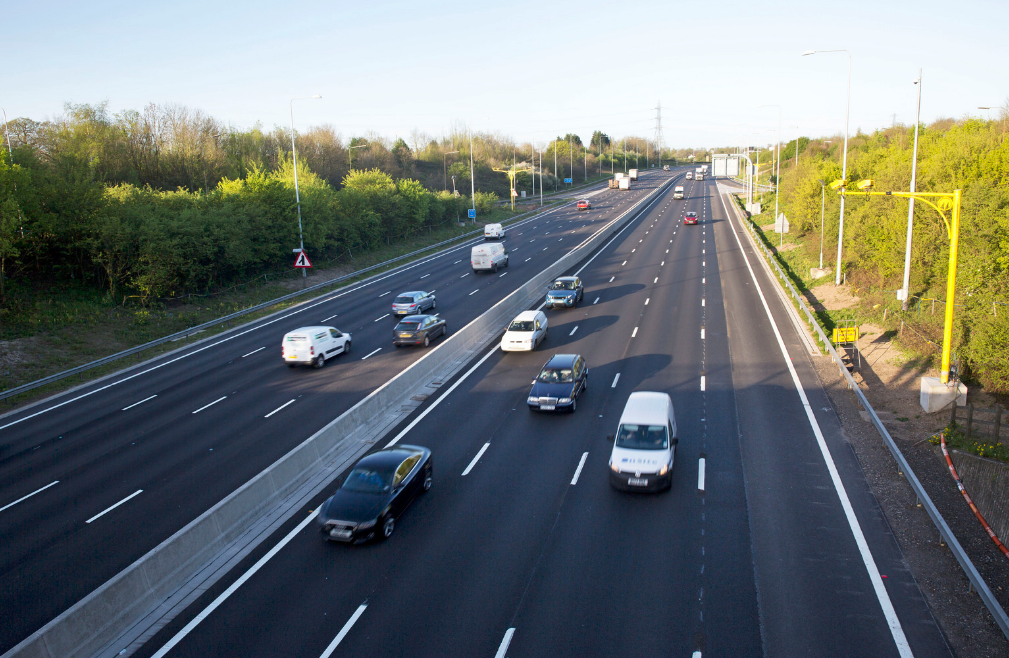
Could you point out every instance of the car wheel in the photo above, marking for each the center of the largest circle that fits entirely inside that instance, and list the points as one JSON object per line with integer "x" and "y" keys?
{"x": 428, "y": 481}
{"x": 493, "y": 268}
{"x": 397, "y": 345}
{"x": 320, "y": 361}
{"x": 388, "y": 526}
{"x": 427, "y": 341}
{"x": 434, "y": 303}
{"x": 444, "y": 330}
{"x": 506, "y": 262}
{"x": 346, "y": 347}
{"x": 574, "y": 404}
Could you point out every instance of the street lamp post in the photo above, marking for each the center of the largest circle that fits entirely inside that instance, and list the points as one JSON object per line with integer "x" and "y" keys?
{"x": 823, "y": 196}
{"x": 844, "y": 160}
{"x": 472, "y": 177}
{"x": 445, "y": 166}
{"x": 910, "y": 205}
{"x": 777, "y": 181}
{"x": 297, "y": 196}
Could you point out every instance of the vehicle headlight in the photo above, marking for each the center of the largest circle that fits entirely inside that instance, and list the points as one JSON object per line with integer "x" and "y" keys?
{"x": 366, "y": 525}
{"x": 664, "y": 469}
{"x": 564, "y": 400}
{"x": 616, "y": 469}
{"x": 533, "y": 400}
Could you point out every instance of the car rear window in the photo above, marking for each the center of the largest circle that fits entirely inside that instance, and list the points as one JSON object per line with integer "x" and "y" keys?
{"x": 407, "y": 326}
{"x": 643, "y": 437}
{"x": 404, "y": 299}
{"x": 521, "y": 325}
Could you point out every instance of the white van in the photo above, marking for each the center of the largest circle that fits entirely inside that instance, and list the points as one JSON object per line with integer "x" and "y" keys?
{"x": 493, "y": 232}
{"x": 678, "y": 192}
{"x": 690, "y": 175}
{"x": 645, "y": 444}
{"x": 488, "y": 257}
{"x": 313, "y": 345}
{"x": 525, "y": 332}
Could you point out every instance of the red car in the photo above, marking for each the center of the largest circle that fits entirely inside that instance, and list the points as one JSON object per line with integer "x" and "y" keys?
{"x": 690, "y": 218}
{"x": 583, "y": 204}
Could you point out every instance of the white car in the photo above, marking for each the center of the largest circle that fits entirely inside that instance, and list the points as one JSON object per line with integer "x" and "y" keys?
{"x": 645, "y": 444}
{"x": 493, "y": 232}
{"x": 690, "y": 175}
{"x": 525, "y": 332}
{"x": 313, "y": 345}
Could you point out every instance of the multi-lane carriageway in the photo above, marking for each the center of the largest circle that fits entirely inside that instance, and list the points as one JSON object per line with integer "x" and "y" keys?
{"x": 772, "y": 545}
{"x": 92, "y": 480}
{"x": 769, "y": 543}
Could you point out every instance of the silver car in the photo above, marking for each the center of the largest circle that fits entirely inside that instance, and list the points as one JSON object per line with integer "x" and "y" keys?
{"x": 413, "y": 303}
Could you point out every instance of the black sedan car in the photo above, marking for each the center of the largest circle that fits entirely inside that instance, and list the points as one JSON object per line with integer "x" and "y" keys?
{"x": 560, "y": 383}
{"x": 418, "y": 330}
{"x": 379, "y": 488}
{"x": 565, "y": 291}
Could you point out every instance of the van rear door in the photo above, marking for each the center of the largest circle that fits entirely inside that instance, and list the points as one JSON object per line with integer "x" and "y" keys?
{"x": 297, "y": 347}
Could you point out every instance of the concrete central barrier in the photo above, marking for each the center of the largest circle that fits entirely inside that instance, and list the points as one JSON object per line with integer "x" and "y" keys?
{"x": 114, "y": 608}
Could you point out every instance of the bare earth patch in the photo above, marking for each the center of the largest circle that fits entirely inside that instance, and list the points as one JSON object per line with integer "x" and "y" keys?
{"x": 830, "y": 297}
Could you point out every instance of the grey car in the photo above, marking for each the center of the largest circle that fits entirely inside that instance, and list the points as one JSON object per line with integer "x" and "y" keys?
{"x": 413, "y": 302}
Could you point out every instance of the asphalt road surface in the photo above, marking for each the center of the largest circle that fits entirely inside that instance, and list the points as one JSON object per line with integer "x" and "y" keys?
{"x": 93, "y": 479}
{"x": 775, "y": 546}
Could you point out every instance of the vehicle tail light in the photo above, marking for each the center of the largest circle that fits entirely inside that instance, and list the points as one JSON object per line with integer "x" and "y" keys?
{"x": 311, "y": 350}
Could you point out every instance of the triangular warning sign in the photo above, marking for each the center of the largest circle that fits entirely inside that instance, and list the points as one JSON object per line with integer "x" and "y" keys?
{"x": 302, "y": 260}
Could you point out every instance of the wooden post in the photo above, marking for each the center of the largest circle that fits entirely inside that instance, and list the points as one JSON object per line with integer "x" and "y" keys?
{"x": 970, "y": 417}
{"x": 952, "y": 413}
{"x": 996, "y": 434}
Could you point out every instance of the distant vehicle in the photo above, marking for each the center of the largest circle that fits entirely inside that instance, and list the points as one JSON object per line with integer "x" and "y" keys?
{"x": 665, "y": 167}
{"x": 376, "y": 492}
{"x": 488, "y": 257}
{"x": 632, "y": 174}
{"x": 584, "y": 204}
{"x": 619, "y": 175}
{"x": 699, "y": 175}
{"x": 678, "y": 192}
{"x": 625, "y": 183}
{"x": 565, "y": 291}
{"x": 690, "y": 175}
{"x": 560, "y": 383}
{"x": 689, "y": 218}
{"x": 614, "y": 183}
{"x": 704, "y": 168}
{"x": 526, "y": 331}
{"x": 645, "y": 444}
{"x": 493, "y": 232}
{"x": 313, "y": 345}
{"x": 418, "y": 330}
{"x": 411, "y": 303}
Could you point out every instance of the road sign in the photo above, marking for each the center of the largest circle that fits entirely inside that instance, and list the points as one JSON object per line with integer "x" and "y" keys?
{"x": 472, "y": 213}
{"x": 567, "y": 180}
{"x": 302, "y": 260}
{"x": 845, "y": 334}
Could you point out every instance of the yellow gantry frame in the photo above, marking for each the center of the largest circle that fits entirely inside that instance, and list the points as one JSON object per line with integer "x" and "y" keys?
{"x": 946, "y": 201}
{"x": 512, "y": 173}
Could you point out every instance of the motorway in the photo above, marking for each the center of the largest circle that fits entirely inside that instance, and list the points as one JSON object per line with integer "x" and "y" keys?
{"x": 769, "y": 543}
{"x": 93, "y": 479}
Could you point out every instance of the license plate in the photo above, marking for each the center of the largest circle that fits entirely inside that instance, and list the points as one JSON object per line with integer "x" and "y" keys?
{"x": 547, "y": 407}
{"x": 406, "y": 335}
{"x": 637, "y": 482}
{"x": 340, "y": 534}
{"x": 293, "y": 356}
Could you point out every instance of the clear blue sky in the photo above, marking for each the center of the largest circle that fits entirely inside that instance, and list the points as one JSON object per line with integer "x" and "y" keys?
{"x": 531, "y": 70}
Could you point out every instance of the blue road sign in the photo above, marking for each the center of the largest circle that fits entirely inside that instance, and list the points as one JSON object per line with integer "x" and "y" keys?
{"x": 567, "y": 180}
{"x": 472, "y": 213}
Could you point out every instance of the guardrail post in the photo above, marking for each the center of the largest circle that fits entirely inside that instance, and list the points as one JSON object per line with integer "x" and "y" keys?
{"x": 970, "y": 416}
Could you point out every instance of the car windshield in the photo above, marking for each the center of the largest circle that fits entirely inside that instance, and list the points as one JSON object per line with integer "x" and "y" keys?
{"x": 404, "y": 299}
{"x": 368, "y": 480}
{"x": 643, "y": 437}
{"x": 556, "y": 376}
{"x": 563, "y": 285}
{"x": 407, "y": 326}
{"x": 521, "y": 325}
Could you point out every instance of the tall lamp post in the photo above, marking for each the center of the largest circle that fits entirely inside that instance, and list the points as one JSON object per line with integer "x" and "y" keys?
{"x": 777, "y": 180}
{"x": 844, "y": 160}
{"x": 910, "y": 205}
{"x": 297, "y": 196}
{"x": 472, "y": 177}
{"x": 445, "y": 166}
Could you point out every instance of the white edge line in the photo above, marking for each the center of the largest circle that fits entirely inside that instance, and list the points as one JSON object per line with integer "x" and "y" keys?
{"x": 700, "y": 474}
{"x": 264, "y": 347}
{"x": 28, "y": 496}
{"x": 476, "y": 459}
{"x": 434, "y": 404}
{"x": 233, "y": 588}
{"x": 505, "y": 641}
{"x": 863, "y": 548}
{"x": 578, "y": 471}
{"x": 103, "y": 512}
{"x": 343, "y": 631}
{"x": 210, "y": 405}
{"x": 278, "y": 408}
{"x": 141, "y": 402}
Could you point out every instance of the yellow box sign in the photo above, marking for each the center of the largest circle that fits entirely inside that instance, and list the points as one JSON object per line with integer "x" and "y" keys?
{"x": 845, "y": 334}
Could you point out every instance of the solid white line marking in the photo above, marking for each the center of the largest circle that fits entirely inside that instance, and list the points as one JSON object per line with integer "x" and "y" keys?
{"x": 648, "y": 300}
{"x": 702, "y": 382}
{"x": 896, "y": 631}
{"x": 210, "y": 405}
{"x": 476, "y": 459}
{"x": 578, "y": 471}
{"x": 371, "y": 353}
{"x": 634, "y": 333}
{"x": 700, "y": 474}
{"x": 343, "y": 631}
{"x": 385, "y": 293}
{"x": 28, "y": 496}
{"x": 234, "y": 587}
{"x": 573, "y": 331}
{"x": 102, "y": 513}
{"x": 702, "y": 333}
{"x": 152, "y": 397}
{"x": 329, "y": 318}
{"x": 434, "y": 404}
{"x": 505, "y": 641}
{"x": 278, "y": 408}
{"x": 474, "y": 292}
{"x": 595, "y": 302}
{"x": 425, "y": 276}
{"x": 615, "y": 380}
{"x": 382, "y": 318}
{"x": 264, "y": 347}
